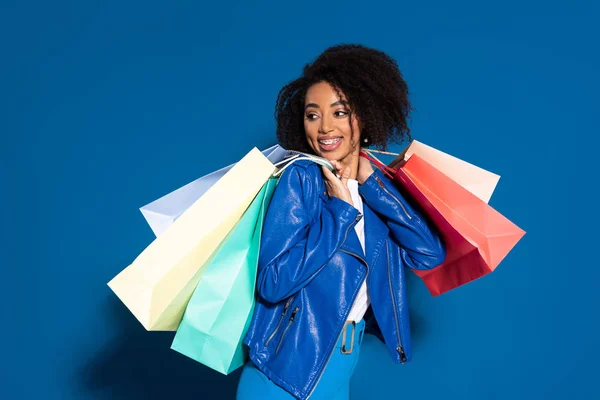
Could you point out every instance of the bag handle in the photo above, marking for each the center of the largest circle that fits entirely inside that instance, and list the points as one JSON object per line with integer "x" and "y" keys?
{"x": 298, "y": 155}
{"x": 389, "y": 172}
{"x": 286, "y": 160}
{"x": 301, "y": 156}
{"x": 400, "y": 157}
{"x": 381, "y": 152}
{"x": 319, "y": 160}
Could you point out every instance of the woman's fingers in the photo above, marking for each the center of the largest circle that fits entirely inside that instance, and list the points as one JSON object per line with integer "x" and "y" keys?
{"x": 337, "y": 187}
{"x": 334, "y": 180}
{"x": 338, "y": 166}
{"x": 328, "y": 174}
{"x": 331, "y": 180}
{"x": 345, "y": 176}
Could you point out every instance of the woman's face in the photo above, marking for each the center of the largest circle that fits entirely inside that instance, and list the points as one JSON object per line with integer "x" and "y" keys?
{"x": 327, "y": 124}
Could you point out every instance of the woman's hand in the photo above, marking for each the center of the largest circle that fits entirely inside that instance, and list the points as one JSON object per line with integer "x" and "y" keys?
{"x": 338, "y": 187}
{"x": 365, "y": 169}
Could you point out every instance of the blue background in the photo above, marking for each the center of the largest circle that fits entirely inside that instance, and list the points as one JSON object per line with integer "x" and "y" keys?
{"x": 105, "y": 107}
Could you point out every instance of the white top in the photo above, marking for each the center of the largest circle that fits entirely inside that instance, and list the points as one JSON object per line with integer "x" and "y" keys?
{"x": 362, "y": 302}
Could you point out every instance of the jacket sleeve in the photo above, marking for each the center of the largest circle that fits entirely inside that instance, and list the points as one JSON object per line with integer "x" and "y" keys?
{"x": 420, "y": 244}
{"x": 294, "y": 246}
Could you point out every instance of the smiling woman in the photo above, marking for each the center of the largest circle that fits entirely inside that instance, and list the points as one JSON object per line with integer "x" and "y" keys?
{"x": 328, "y": 239}
{"x": 323, "y": 118}
{"x": 368, "y": 85}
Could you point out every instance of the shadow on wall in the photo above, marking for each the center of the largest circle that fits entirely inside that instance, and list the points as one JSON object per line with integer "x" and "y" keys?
{"x": 140, "y": 365}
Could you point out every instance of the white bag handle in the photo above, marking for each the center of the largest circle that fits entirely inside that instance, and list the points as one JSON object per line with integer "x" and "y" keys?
{"x": 301, "y": 156}
{"x": 380, "y": 152}
{"x": 286, "y": 160}
{"x": 319, "y": 160}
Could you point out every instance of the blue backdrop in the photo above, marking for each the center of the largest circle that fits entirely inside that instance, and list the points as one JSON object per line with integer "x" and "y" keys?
{"x": 106, "y": 106}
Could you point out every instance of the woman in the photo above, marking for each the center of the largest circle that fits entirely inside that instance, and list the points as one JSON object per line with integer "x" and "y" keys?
{"x": 334, "y": 246}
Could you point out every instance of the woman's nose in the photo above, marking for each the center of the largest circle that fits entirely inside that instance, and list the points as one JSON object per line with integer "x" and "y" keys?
{"x": 326, "y": 125}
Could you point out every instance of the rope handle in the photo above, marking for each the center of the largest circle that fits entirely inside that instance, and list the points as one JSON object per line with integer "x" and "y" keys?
{"x": 381, "y": 152}
{"x": 389, "y": 172}
{"x": 300, "y": 156}
{"x": 286, "y": 160}
{"x": 319, "y": 160}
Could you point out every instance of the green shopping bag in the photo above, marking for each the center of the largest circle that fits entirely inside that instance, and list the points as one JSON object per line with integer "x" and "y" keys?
{"x": 219, "y": 312}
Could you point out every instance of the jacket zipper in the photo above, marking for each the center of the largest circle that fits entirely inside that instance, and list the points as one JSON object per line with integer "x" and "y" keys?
{"x": 333, "y": 348}
{"x": 392, "y": 195}
{"x": 292, "y": 317}
{"x": 399, "y": 349}
{"x": 348, "y": 230}
{"x": 287, "y": 305}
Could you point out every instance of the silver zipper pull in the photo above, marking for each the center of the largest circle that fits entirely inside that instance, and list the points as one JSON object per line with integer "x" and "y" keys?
{"x": 285, "y": 308}
{"x": 287, "y": 305}
{"x": 402, "y": 354}
{"x": 294, "y": 314}
{"x": 286, "y": 329}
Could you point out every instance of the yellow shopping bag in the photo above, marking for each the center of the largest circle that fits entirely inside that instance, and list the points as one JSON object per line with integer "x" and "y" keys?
{"x": 157, "y": 286}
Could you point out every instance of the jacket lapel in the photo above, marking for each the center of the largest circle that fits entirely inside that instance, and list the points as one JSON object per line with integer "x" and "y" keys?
{"x": 375, "y": 234}
{"x": 352, "y": 245}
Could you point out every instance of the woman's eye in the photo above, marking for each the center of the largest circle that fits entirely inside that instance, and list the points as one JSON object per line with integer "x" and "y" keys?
{"x": 341, "y": 113}
{"x": 310, "y": 116}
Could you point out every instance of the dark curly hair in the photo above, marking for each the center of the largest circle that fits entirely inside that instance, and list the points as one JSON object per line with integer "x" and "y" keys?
{"x": 374, "y": 88}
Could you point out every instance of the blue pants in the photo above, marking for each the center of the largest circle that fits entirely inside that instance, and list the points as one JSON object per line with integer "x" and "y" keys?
{"x": 334, "y": 383}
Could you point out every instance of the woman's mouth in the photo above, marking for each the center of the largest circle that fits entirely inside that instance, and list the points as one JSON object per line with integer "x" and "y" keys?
{"x": 330, "y": 144}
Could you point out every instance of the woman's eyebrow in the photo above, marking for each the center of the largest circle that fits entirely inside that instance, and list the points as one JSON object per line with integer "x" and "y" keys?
{"x": 337, "y": 103}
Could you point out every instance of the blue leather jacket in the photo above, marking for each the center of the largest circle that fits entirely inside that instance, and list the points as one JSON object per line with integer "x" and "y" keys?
{"x": 311, "y": 266}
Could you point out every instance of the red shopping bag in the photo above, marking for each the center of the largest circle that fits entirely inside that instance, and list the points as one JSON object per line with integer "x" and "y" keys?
{"x": 476, "y": 236}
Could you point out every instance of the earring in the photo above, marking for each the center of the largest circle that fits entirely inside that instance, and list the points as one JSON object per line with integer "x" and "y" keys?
{"x": 365, "y": 140}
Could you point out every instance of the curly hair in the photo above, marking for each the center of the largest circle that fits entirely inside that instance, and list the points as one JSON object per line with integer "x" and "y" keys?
{"x": 374, "y": 88}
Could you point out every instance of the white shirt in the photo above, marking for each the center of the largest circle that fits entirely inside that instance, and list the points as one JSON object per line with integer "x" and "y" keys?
{"x": 362, "y": 302}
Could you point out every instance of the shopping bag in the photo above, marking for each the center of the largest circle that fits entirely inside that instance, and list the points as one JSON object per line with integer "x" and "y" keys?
{"x": 218, "y": 314}
{"x": 477, "y": 237}
{"x": 473, "y": 178}
{"x": 161, "y": 213}
{"x": 158, "y": 284}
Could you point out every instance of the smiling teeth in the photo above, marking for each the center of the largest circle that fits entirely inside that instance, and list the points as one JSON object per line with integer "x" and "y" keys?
{"x": 330, "y": 141}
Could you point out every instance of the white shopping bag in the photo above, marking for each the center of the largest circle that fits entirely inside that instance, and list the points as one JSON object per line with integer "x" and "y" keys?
{"x": 161, "y": 213}
{"x": 473, "y": 178}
